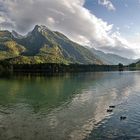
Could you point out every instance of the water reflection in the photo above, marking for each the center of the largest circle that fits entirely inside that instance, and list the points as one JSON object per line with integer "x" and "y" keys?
{"x": 71, "y": 106}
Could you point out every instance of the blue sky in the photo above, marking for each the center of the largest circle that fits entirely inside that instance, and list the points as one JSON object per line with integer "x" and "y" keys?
{"x": 126, "y": 15}
{"x": 108, "y": 25}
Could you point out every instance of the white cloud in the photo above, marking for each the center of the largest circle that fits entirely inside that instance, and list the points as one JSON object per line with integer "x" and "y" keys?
{"x": 135, "y": 41}
{"x": 137, "y": 34}
{"x": 2, "y": 19}
{"x": 108, "y": 4}
{"x": 50, "y": 21}
{"x": 121, "y": 46}
{"x": 67, "y": 16}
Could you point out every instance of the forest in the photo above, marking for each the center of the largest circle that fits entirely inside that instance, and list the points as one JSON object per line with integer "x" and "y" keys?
{"x": 6, "y": 67}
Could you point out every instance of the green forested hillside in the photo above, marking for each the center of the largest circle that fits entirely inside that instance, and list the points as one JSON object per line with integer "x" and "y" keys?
{"x": 43, "y": 46}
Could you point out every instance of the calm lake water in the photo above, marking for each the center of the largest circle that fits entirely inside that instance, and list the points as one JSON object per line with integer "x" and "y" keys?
{"x": 70, "y": 107}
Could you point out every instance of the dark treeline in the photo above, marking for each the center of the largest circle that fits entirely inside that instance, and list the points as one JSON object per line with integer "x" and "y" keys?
{"x": 5, "y": 67}
{"x": 59, "y": 68}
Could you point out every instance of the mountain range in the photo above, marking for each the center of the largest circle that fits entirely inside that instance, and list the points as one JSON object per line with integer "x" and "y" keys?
{"x": 111, "y": 59}
{"x": 43, "y": 45}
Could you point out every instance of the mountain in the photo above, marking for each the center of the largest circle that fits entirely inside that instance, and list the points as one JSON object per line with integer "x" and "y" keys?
{"x": 9, "y": 48}
{"x": 16, "y": 35}
{"x": 42, "y": 45}
{"x": 111, "y": 59}
{"x": 135, "y": 65}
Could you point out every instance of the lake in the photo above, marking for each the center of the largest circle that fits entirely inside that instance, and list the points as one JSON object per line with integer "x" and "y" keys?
{"x": 70, "y": 106}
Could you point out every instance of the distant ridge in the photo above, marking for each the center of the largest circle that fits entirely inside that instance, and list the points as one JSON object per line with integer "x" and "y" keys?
{"x": 111, "y": 59}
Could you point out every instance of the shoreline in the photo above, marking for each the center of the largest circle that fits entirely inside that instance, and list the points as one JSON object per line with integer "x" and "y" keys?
{"x": 52, "y": 68}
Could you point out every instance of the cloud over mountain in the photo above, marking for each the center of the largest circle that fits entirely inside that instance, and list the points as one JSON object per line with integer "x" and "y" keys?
{"x": 108, "y": 4}
{"x": 67, "y": 16}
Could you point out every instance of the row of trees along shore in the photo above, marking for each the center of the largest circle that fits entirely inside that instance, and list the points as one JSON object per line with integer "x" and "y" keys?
{"x": 5, "y": 67}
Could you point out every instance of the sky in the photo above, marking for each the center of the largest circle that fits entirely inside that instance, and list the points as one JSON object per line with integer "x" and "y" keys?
{"x": 108, "y": 25}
